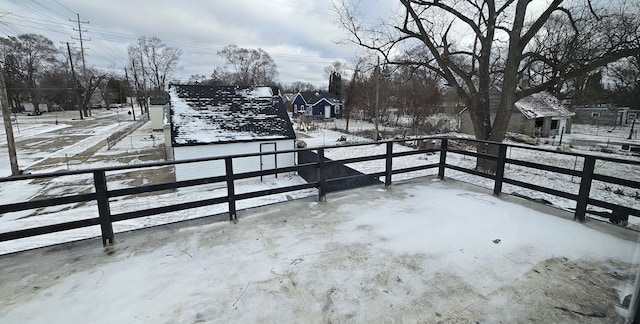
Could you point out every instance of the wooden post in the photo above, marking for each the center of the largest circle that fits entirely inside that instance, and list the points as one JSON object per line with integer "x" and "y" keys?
{"x": 104, "y": 212}
{"x": 585, "y": 187}
{"x": 231, "y": 192}
{"x": 322, "y": 185}
{"x": 443, "y": 158}
{"x": 502, "y": 156}
{"x": 388, "y": 166}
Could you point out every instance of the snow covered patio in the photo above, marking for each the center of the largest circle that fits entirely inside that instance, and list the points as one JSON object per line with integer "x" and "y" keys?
{"x": 424, "y": 251}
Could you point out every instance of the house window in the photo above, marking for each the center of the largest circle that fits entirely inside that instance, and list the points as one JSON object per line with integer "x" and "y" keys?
{"x": 595, "y": 114}
{"x": 554, "y": 124}
{"x": 539, "y": 122}
{"x": 295, "y": 108}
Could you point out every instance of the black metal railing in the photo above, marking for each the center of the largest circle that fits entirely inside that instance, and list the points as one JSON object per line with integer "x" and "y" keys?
{"x": 447, "y": 146}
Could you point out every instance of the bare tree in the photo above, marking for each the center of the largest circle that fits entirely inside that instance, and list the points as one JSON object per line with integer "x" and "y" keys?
{"x": 135, "y": 66}
{"x": 26, "y": 58}
{"x": 94, "y": 80}
{"x": 417, "y": 94}
{"x": 245, "y": 67}
{"x": 197, "y": 78}
{"x": 336, "y": 67}
{"x": 351, "y": 93}
{"x": 297, "y": 86}
{"x": 626, "y": 79}
{"x": 474, "y": 45}
{"x": 160, "y": 60}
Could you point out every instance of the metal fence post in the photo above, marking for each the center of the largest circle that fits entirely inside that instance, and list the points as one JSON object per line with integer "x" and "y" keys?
{"x": 389, "y": 165}
{"x": 502, "y": 156}
{"x": 231, "y": 192}
{"x": 322, "y": 185}
{"x": 443, "y": 158}
{"x": 104, "y": 212}
{"x": 585, "y": 187}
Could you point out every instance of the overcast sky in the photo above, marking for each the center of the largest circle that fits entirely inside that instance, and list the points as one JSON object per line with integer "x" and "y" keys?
{"x": 300, "y": 36}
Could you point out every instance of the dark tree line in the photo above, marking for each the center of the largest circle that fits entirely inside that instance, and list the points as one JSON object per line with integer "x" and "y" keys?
{"x": 383, "y": 93}
{"x": 37, "y": 72}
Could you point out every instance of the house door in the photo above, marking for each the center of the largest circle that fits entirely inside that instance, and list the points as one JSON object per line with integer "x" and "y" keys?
{"x": 268, "y": 162}
{"x": 327, "y": 111}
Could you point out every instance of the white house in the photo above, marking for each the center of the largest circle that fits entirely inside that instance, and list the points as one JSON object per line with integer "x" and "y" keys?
{"x": 212, "y": 121}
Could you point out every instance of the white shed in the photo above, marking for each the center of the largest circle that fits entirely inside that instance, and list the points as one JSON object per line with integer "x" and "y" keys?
{"x": 211, "y": 121}
{"x": 156, "y": 112}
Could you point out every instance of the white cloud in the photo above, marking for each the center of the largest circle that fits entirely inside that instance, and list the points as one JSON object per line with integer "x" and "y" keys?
{"x": 300, "y": 36}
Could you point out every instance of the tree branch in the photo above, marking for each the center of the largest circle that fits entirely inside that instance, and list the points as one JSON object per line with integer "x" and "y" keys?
{"x": 451, "y": 10}
{"x": 542, "y": 19}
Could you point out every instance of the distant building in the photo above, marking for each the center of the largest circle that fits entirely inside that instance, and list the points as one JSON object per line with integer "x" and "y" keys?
{"x": 316, "y": 104}
{"x": 212, "y": 121}
{"x": 605, "y": 115}
{"x": 538, "y": 115}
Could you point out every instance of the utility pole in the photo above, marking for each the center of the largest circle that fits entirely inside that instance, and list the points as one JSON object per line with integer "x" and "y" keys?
{"x": 137, "y": 86}
{"x": 133, "y": 112}
{"x": 6, "y": 115}
{"x": 84, "y": 66}
{"x": 377, "y": 113}
{"x": 75, "y": 82}
{"x": 144, "y": 84}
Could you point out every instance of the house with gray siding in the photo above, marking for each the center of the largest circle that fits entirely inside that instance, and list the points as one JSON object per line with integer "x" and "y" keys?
{"x": 605, "y": 115}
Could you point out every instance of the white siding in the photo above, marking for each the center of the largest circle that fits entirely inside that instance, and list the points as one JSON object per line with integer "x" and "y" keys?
{"x": 156, "y": 114}
{"x": 188, "y": 171}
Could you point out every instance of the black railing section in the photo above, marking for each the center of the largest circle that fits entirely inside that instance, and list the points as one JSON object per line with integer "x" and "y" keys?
{"x": 447, "y": 148}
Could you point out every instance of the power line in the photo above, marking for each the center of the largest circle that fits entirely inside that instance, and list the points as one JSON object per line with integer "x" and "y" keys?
{"x": 108, "y": 45}
{"x": 59, "y": 14}
{"x": 79, "y": 30}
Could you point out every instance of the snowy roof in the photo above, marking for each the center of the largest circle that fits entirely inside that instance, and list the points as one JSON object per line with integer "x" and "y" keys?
{"x": 311, "y": 97}
{"x": 542, "y": 104}
{"x": 213, "y": 114}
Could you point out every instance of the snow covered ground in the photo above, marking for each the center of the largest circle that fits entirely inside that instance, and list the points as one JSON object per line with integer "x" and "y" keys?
{"x": 328, "y": 133}
{"x": 144, "y": 146}
{"x": 141, "y": 146}
{"x": 424, "y": 251}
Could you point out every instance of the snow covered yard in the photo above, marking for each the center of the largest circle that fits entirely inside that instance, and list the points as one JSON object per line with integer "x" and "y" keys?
{"x": 325, "y": 135}
{"x": 429, "y": 252}
{"x": 425, "y": 251}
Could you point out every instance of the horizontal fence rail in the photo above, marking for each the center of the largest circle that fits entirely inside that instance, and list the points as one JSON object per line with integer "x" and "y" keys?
{"x": 447, "y": 147}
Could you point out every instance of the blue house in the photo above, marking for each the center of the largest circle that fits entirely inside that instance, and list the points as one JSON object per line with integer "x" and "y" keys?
{"x": 317, "y": 104}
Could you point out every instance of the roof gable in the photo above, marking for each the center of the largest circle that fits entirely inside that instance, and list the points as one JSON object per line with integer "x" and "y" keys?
{"x": 332, "y": 102}
{"x": 214, "y": 114}
{"x": 311, "y": 97}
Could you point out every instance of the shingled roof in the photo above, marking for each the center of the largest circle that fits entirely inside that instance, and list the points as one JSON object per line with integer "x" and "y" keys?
{"x": 219, "y": 114}
{"x": 311, "y": 97}
{"x": 542, "y": 104}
